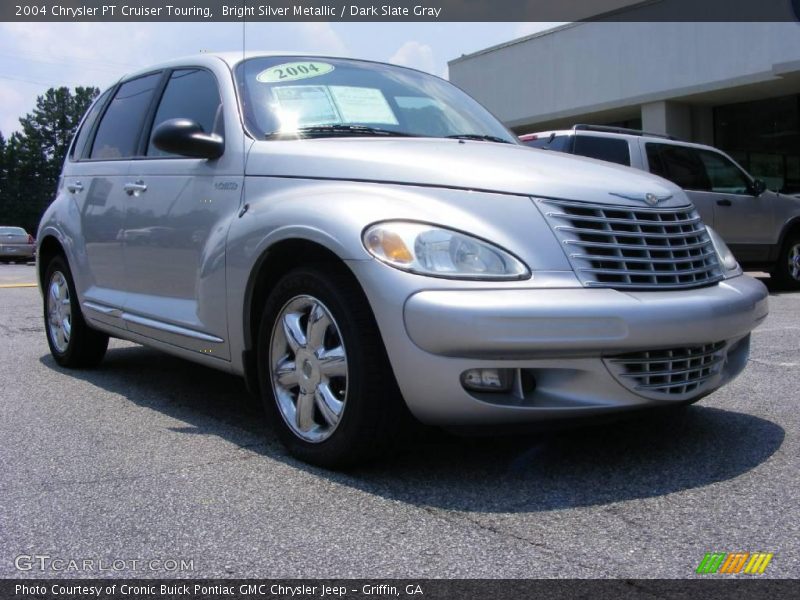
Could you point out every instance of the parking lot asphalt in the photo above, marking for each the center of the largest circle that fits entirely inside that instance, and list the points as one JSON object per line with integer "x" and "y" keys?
{"x": 150, "y": 457}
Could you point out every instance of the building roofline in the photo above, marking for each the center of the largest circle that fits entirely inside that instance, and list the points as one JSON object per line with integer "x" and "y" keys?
{"x": 520, "y": 40}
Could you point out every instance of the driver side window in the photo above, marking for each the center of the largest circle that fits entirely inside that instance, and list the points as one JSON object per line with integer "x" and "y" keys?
{"x": 725, "y": 177}
{"x": 190, "y": 94}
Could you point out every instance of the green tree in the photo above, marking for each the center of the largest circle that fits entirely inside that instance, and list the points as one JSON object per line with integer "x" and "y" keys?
{"x": 33, "y": 157}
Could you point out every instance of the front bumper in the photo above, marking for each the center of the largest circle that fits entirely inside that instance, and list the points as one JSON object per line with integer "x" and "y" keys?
{"x": 562, "y": 339}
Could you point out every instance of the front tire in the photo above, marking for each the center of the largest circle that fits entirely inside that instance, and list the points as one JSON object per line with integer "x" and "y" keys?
{"x": 72, "y": 342}
{"x": 324, "y": 375}
{"x": 787, "y": 269}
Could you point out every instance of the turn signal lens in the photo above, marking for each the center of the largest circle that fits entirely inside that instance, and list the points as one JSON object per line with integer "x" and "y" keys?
{"x": 727, "y": 260}
{"x": 389, "y": 245}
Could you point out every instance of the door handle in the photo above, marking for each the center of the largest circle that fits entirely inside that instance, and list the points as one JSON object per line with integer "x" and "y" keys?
{"x": 135, "y": 188}
{"x": 724, "y": 202}
{"x": 75, "y": 187}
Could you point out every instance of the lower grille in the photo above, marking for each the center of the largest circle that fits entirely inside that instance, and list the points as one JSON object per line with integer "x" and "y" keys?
{"x": 675, "y": 374}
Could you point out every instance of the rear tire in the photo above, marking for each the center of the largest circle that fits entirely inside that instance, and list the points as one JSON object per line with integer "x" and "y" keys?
{"x": 324, "y": 375}
{"x": 787, "y": 270}
{"x": 72, "y": 342}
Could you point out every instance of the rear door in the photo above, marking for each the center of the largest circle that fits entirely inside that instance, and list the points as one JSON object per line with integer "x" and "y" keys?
{"x": 177, "y": 221}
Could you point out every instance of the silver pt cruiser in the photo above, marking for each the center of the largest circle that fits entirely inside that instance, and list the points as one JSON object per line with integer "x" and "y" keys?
{"x": 363, "y": 242}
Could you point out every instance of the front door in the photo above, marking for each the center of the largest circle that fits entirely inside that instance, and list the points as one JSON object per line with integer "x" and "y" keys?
{"x": 178, "y": 213}
{"x": 722, "y": 193}
{"x": 743, "y": 219}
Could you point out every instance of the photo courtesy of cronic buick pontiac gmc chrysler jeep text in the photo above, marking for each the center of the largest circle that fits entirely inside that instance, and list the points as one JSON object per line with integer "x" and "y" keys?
{"x": 364, "y": 242}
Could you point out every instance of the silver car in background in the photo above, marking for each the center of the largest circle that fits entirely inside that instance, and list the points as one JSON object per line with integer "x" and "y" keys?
{"x": 16, "y": 245}
{"x": 365, "y": 243}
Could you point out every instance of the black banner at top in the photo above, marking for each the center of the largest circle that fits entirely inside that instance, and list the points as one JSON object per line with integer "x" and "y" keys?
{"x": 402, "y": 10}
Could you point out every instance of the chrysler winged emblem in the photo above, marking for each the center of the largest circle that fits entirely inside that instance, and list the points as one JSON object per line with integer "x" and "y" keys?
{"x": 649, "y": 197}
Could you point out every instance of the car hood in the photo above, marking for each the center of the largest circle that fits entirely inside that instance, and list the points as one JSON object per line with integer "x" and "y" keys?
{"x": 470, "y": 165}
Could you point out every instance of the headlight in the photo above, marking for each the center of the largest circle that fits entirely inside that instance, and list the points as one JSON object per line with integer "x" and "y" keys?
{"x": 730, "y": 267}
{"x": 431, "y": 250}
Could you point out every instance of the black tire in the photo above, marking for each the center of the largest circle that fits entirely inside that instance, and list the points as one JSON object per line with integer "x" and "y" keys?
{"x": 86, "y": 346}
{"x": 373, "y": 414}
{"x": 784, "y": 276}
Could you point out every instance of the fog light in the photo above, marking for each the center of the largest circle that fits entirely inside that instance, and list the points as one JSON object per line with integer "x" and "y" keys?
{"x": 487, "y": 380}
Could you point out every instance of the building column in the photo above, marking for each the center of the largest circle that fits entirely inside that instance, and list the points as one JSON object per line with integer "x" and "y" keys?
{"x": 670, "y": 118}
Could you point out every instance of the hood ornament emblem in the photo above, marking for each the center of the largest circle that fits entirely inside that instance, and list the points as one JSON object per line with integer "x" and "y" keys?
{"x": 649, "y": 197}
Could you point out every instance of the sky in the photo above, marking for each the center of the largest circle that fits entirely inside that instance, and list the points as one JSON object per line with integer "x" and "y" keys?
{"x": 36, "y": 56}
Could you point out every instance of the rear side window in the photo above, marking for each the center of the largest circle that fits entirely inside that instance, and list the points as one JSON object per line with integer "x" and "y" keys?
{"x": 602, "y": 148}
{"x": 78, "y": 150}
{"x": 190, "y": 94}
{"x": 12, "y": 231}
{"x": 121, "y": 126}
{"x": 560, "y": 143}
{"x": 680, "y": 164}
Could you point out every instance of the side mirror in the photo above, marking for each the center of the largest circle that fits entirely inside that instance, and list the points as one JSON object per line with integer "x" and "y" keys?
{"x": 187, "y": 138}
{"x": 759, "y": 187}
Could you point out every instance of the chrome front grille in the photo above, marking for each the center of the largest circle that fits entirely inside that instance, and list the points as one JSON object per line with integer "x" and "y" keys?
{"x": 634, "y": 248}
{"x": 674, "y": 374}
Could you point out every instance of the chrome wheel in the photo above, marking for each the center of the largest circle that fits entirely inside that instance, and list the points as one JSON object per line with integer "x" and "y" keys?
{"x": 59, "y": 311}
{"x": 794, "y": 262}
{"x": 308, "y": 366}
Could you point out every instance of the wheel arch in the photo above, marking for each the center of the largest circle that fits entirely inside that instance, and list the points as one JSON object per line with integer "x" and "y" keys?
{"x": 273, "y": 263}
{"x": 792, "y": 226}
{"x": 49, "y": 247}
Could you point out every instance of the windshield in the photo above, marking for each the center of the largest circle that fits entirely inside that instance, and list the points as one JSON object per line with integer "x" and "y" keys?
{"x": 327, "y": 97}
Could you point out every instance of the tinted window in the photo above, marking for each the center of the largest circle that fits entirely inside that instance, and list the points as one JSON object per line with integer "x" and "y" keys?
{"x": 680, "y": 164}
{"x": 190, "y": 94}
{"x": 602, "y": 148}
{"x": 79, "y": 147}
{"x": 725, "y": 177}
{"x": 12, "y": 231}
{"x": 119, "y": 130}
{"x": 559, "y": 143}
{"x": 764, "y": 137}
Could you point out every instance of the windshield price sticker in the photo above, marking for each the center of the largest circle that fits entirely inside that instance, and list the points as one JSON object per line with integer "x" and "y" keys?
{"x": 305, "y": 106}
{"x": 362, "y": 105}
{"x": 293, "y": 71}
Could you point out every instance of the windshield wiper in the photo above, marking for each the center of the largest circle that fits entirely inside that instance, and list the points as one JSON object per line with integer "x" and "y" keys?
{"x": 338, "y": 130}
{"x": 479, "y": 137}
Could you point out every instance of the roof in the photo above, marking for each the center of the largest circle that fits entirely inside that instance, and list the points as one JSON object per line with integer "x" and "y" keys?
{"x": 232, "y": 58}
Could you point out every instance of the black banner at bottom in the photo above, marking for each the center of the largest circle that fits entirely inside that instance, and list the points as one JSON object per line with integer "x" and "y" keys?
{"x": 423, "y": 589}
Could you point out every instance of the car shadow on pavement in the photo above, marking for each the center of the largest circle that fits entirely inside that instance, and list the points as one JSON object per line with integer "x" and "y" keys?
{"x": 640, "y": 457}
{"x": 774, "y": 288}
